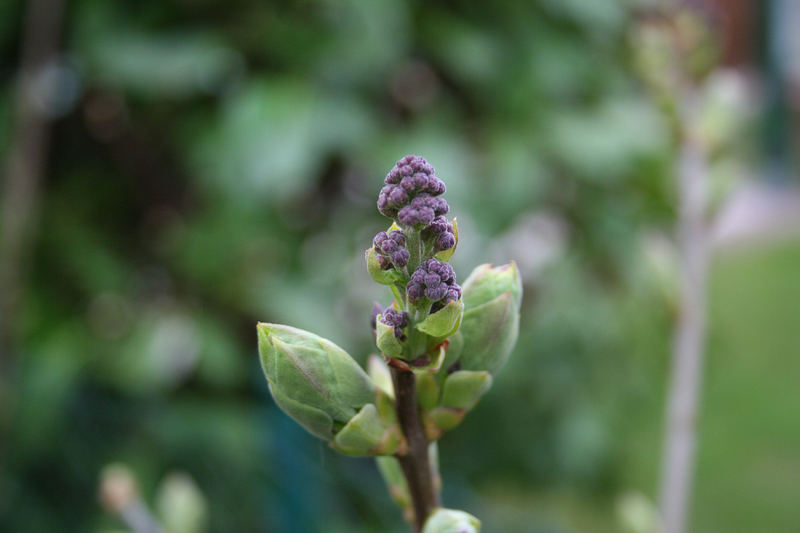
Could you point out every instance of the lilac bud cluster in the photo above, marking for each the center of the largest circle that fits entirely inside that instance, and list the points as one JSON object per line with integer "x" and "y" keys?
{"x": 390, "y": 249}
{"x": 441, "y": 232}
{"x": 397, "y": 319}
{"x": 435, "y": 281}
{"x": 411, "y": 192}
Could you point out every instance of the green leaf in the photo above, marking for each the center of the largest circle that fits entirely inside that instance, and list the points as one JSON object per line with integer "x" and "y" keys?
{"x": 433, "y": 366}
{"x": 395, "y": 481}
{"x": 441, "y": 419}
{"x": 444, "y": 322}
{"x": 427, "y": 390}
{"x": 464, "y": 388}
{"x": 365, "y": 434}
{"x": 386, "y": 407}
{"x": 384, "y": 277}
{"x": 380, "y": 374}
{"x": 387, "y": 343}
{"x": 454, "y": 349}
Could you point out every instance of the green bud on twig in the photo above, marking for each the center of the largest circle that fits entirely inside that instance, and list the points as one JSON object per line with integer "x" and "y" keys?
{"x": 487, "y": 282}
{"x": 312, "y": 380}
{"x": 367, "y": 433}
{"x": 490, "y": 325}
{"x": 392, "y": 475}
{"x": 427, "y": 391}
{"x": 464, "y": 388}
{"x": 461, "y": 392}
{"x": 451, "y": 521}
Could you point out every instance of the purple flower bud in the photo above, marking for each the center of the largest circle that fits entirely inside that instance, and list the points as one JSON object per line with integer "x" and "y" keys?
{"x": 398, "y": 196}
{"x": 436, "y": 293}
{"x": 440, "y": 206}
{"x": 415, "y": 292}
{"x": 384, "y": 262}
{"x": 398, "y": 236}
{"x": 432, "y": 280}
{"x": 412, "y": 178}
{"x": 445, "y": 241}
{"x": 436, "y": 281}
{"x": 437, "y": 226}
{"x": 393, "y": 177}
{"x": 408, "y": 216}
{"x": 376, "y": 310}
{"x": 379, "y": 238}
{"x": 453, "y": 294}
{"x": 400, "y": 257}
{"x": 390, "y": 249}
{"x": 426, "y": 215}
{"x": 397, "y": 319}
{"x": 388, "y": 246}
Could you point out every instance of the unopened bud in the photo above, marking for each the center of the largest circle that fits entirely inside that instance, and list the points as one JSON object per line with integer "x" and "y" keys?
{"x": 451, "y": 521}
{"x": 490, "y": 325}
{"x": 312, "y": 380}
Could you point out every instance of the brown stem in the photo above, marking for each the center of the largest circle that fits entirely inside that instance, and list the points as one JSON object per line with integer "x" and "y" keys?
{"x": 415, "y": 463}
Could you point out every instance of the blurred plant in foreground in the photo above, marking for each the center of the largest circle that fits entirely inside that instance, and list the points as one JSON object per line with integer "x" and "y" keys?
{"x": 441, "y": 344}
{"x": 180, "y": 506}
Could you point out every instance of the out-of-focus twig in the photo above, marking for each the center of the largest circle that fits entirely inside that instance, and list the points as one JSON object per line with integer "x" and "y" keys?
{"x": 25, "y": 160}
{"x": 677, "y": 49}
{"x": 120, "y": 495}
{"x": 690, "y": 330}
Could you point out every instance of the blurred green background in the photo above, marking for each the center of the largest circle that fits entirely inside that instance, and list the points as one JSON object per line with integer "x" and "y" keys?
{"x": 215, "y": 163}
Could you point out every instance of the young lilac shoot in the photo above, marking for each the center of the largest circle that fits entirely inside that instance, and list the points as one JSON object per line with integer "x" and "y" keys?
{"x": 440, "y": 345}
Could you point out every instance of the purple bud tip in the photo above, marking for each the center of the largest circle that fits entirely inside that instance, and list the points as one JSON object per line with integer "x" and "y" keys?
{"x": 409, "y": 179}
{"x": 373, "y": 315}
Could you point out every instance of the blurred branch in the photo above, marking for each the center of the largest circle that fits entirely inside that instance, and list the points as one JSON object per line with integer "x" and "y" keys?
{"x": 690, "y": 330}
{"x": 120, "y": 495}
{"x": 26, "y": 157}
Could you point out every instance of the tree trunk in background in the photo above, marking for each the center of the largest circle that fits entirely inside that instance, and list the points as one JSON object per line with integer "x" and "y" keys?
{"x": 25, "y": 160}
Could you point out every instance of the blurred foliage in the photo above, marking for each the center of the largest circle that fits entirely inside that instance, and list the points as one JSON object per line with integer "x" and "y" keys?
{"x": 219, "y": 165}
